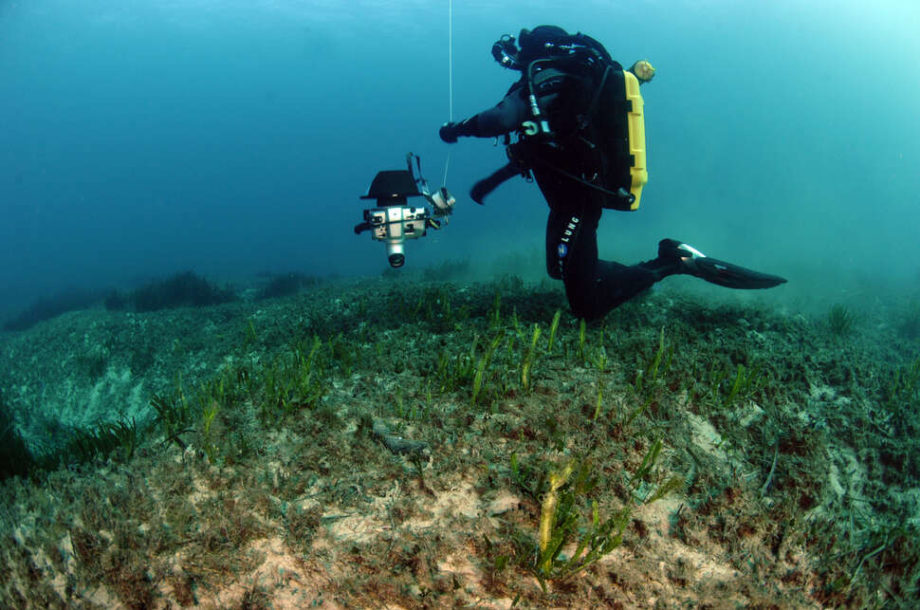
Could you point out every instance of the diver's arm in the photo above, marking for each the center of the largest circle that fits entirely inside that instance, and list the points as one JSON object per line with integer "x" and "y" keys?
{"x": 504, "y": 117}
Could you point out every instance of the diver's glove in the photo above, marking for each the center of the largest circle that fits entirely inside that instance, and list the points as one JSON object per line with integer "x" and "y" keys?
{"x": 448, "y": 132}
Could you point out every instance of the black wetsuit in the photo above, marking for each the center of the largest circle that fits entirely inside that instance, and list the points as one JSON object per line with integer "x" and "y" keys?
{"x": 593, "y": 286}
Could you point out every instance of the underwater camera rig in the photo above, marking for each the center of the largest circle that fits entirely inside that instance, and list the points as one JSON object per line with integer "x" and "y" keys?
{"x": 394, "y": 221}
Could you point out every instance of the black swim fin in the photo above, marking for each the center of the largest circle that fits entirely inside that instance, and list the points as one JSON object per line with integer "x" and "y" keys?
{"x": 729, "y": 275}
{"x": 697, "y": 264}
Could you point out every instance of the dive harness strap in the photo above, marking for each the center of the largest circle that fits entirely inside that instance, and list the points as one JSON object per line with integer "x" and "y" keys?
{"x": 595, "y": 99}
{"x": 621, "y": 193}
{"x": 514, "y": 168}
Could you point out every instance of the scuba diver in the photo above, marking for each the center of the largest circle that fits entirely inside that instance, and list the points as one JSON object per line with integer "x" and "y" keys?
{"x": 573, "y": 122}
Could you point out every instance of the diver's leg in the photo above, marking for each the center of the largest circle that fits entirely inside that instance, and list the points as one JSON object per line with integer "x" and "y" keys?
{"x": 614, "y": 284}
{"x": 593, "y": 287}
{"x": 555, "y": 228}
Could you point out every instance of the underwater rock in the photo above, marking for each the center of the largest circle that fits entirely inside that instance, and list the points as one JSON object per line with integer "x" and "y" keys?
{"x": 397, "y": 444}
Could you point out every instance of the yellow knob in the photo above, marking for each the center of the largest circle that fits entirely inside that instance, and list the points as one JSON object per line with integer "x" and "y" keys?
{"x": 644, "y": 70}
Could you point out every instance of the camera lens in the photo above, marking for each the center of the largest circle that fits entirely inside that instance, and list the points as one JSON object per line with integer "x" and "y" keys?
{"x": 395, "y": 254}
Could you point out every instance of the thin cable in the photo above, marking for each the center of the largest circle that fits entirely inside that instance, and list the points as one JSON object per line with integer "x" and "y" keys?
{"x": 446, "y": 167}
{"x": 450, "y": 77}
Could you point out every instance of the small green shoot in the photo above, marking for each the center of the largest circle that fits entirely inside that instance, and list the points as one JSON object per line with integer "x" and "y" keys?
{"x": 529, "y": 358}
{"x": 208, "y": 414}
{"x": 594, "y": 537}
{"x": 495, "y": 314}
{"x": 659, "y": 363}
{"x": 747, "y": 382}
{"x": 553, "y": 329}
{"x": 479, "y": 376}
{"x": 173, "y": 415}
{"x": 840, "y": 321}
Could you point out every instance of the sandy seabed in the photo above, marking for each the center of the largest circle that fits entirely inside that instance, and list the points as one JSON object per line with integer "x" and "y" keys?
{"x": 392, "y": 444}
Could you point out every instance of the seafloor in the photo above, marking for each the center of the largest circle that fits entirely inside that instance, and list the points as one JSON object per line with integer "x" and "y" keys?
{"x": 412, "y": 443}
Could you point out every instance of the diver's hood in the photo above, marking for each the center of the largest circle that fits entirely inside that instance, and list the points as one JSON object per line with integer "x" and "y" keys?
{"x": 533, "y": 42}
{"x": 531, "y": 45}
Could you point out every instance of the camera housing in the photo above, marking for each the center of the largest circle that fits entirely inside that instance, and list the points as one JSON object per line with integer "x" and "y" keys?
{"x": 394, "y": 225}
{"x": 393, "y": 220}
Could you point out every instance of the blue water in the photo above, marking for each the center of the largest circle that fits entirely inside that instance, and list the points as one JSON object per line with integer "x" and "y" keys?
{"x": 143, "y": 138}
